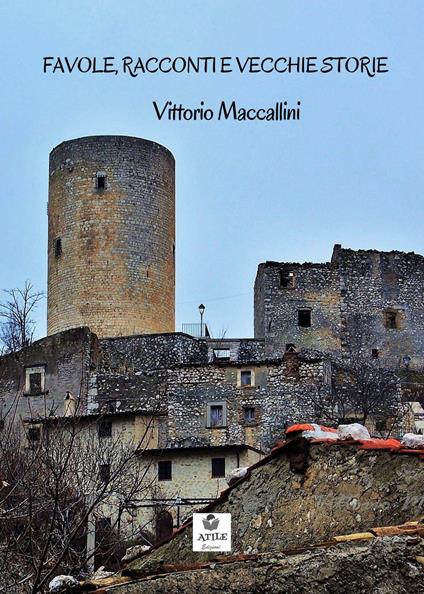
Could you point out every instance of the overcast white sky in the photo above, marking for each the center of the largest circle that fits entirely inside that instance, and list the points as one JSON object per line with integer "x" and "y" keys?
{"x": 349, "y": 172}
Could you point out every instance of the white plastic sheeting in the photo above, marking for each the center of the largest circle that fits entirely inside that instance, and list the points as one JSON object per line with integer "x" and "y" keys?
{"x": 61, "y": 583}
{"x": 353, "y": 431}
{"x": 412, "y": 440}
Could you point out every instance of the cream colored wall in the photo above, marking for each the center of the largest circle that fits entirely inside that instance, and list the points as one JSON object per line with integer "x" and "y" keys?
{"x": 191, "y": 479}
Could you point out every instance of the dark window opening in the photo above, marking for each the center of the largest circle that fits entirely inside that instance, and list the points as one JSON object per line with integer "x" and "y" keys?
{"x": 104, "y": 473}
{"x": 35, "y": 383}
{"x": 165, "y": 470}
{"x": 218, "y": 467}
{"x": 164, "y": 525}
{"x": 246, "y": 378}
{"x": 249, "y": 414}
{"x": 110, "y": 406}
{"x": 58, "y": 248}
{"x": 304, "y": 318}
{"x": 287, "y": 279}
{"x": 374, "y": 353}
{"x": 217, "y": 415}
{"x": 34, "y": 434}
{"x": 290, "y": 347}
{"x": 105, "y": 428}
{"x": 100, "y": 182}
{"x": 392, "y": 320}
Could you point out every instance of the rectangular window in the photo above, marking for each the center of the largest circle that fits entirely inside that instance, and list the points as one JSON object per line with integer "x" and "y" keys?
{"x": 287, "y": 279}
{"x": 221, "y": 354}
{"x": 304, "y": 318}
{"x": 217, "y": 415}
{"x": 100, "y": 181}
{"x": 34, "y": 434}
{"x": 165, "y": 470}
{"x": 392, "y": 320}
{"x": 104, "y": 473}
{"x": 249, "y": 414}
{"x": 245, "y": 378}
{"x": 58, "y": 247}
{"x": 104, "y": 428}
{"x": 35, "y": 380}
{"x": 374, "y": 353}
{"x": 218, "y": 467}
{"x": 35, "y": 383}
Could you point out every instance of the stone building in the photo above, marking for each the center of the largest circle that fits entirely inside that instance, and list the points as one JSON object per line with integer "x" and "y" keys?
{"x": 362, "y": 300}
{"x": 217, "y": 403}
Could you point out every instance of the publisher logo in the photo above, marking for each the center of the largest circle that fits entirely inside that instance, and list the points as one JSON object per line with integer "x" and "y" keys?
{"x": 211, "y": 532}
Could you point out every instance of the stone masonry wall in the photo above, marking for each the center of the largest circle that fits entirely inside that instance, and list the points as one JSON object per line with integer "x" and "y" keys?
{"x": 315, "y": 288}
{"x": 281, "y": 395}
{"x": 349, "y": 300}
{"x": 66, "y": 359}
{"x": 372, "y": 283}
{"x": 114, "y": 266}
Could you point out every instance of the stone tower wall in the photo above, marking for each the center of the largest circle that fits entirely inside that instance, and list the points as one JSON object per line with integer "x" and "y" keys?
{"x": 315, "y": 289}
{"x": 111, "y": 250}
{"x": 350, "y": 300}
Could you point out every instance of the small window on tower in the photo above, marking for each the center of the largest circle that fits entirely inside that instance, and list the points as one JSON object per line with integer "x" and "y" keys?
{"x": 374, "y": 353}
{"x": 287, "y": 279}
{"x": 100, "y": 181}
{"x": 392, "y": 319}
{"x": 58, "y": 247}
{"x": 304, "y": 318}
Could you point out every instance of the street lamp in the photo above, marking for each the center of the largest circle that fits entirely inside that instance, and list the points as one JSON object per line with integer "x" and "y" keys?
{"x": 201, "y": 311}
{"x": 178, "y": 502}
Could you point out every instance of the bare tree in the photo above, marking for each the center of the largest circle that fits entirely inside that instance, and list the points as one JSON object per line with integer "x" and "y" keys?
{"x": 361, "y": 388}
{"x": 17, "y": 325}
{"x": 57, "y": 483}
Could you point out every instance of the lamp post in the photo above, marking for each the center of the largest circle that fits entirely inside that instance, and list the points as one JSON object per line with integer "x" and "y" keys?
{"x": 178, "y": 502}
{"x": 201, "y": 311}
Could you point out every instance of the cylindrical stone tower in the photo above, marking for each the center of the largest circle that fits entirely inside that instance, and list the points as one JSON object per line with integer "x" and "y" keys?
{"x": 111, "y": 249}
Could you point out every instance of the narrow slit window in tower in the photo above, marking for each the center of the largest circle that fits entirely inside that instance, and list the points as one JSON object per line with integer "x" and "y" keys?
{"x": 58, "y": 248}
{"x": 100, "y": 181}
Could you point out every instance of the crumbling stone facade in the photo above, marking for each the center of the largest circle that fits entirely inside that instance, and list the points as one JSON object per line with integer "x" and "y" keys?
{"x": 363, "y": 300}
{"x": 62, "y": 362}
{"x": 172, "y": 374}
{"x": 111, "y": 248}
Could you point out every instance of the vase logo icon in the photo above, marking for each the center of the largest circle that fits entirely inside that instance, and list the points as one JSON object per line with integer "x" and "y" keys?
{"x": 210, "y": 522}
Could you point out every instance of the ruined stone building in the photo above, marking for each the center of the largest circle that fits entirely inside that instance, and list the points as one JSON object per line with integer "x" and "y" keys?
{"x": 217, "y": 403}
{"x": 361, "y": 300}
